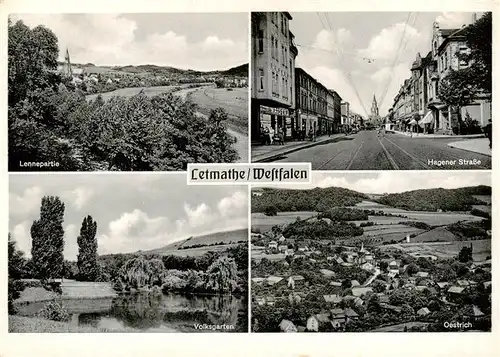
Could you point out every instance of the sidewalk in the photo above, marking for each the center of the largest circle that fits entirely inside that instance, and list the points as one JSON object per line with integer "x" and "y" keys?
{"x": 435, "y": 136}
{"x": 262, "y": 153}
{"x": 480, "y": 146}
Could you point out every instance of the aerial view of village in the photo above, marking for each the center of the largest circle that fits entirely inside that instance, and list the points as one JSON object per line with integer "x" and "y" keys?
{"x": 129, "y": 92}
{"x": 84, "y": 257}
{"x": 379, "y": 252}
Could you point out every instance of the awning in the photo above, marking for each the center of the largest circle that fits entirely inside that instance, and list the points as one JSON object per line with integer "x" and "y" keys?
{"x": 412, "y": 122}
{"x": 428, "y": 119}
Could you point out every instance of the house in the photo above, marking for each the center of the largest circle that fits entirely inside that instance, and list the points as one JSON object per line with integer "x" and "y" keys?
{"x": 355, "y": 283}
{"x": 473, "y": 312}
{"x": 291, "y": 283}
{"x": 299, "y": 255}
{"x": 392, "y": 274}
{"x": 303, "y": 248}
{"x": 339, "y": 260}
{"x": 298, "y": 278}
{"x": 281, "y": 239}
{"x": 282, "y": 248}
{"x": 383, "y": 298}
{"x": 443, "y": 284}
{"x": 361, "y": 291}
{"x": 420, "y": 288}
{"x": 351, "y": 314}
{"x": 273, "y": 245}
{"x": 315, "y": 322}
{"x": 313, "y": 260}
{"x": 289, "y": 252}
{"x": 338, "y": 315}
{"x": 336, "y": 283}
{"x": 422, "y": 274}
{"x": 358, "y": 301}
{"x": 396, "y": 309}
{"x": 287, "y": 326}
{"x": 294, "y": 298}
{"x": 394, "y": 271}
{"x": 367, "y": 266}
{"x": 455, "y": 292}
{"x": 487, "y": 284}
{"x": 273, "y": 280}
{"x": 301, "y": 329}
{"x": 258, "y": 280}
{"x": 347, "y": 264}
{"x": 369, "y": 257}
{"x": 260, "y": 301}
{"x": 330, "y": 259}
{"x": 423, "y": 312}
{"x": 394, "y": 264}
{"x": 327, "y": 273}
{"x": 270, "y": 300}
{"x": 463, "y": 283}
{"x": 334, "y": 298}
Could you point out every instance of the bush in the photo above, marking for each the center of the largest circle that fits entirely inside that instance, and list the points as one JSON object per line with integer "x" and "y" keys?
{"x": 54, "y": 311}
{"x": 15, "y": 288}
{"x": 479, "y": 213}
{"x": 271, "y": 211}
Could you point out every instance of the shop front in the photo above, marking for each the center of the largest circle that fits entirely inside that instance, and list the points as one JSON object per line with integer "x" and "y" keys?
{"x": 308, "y": 122}
{"x": 277, "y": 118}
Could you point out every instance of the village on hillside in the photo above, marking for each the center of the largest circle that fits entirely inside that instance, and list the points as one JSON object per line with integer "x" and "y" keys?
{"x": 315, "y": 274}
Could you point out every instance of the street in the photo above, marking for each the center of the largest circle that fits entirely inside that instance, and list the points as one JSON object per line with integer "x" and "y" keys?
{"x": 367, "y": 151}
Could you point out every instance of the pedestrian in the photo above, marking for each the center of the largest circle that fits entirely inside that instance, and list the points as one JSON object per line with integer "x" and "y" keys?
{"x": 271, "y": 135}
{"x": 267, "y": 140}
{"x": 488, "y": 131}
{"x": 281, "y": 135}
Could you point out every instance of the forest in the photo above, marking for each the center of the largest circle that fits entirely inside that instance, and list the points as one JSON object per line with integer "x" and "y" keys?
{"x": 317, "y": 199}
{"x": 446, "y": 200}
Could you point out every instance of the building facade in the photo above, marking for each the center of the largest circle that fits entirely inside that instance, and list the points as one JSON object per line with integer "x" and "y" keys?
{"x": 417, "y": 105}
{"x": 337, "y": 111}
{"x": 273, "y": 70}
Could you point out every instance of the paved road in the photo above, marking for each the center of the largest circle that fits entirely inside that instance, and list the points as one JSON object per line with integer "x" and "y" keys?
{"x": 367, "y": 151}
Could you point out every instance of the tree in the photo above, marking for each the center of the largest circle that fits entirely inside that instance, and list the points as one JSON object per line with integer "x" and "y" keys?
{"x": 222, "y": 275}
{"x": 136, "y": 273}
{"x": 271, "y": 211}
{"x": 458, "y": 89}
{"x": 465, "y": 255}
{"x": 47, "y": 235}
{"x": 87, "y": 251}
{"x": 479, "y": 39}
{"x": 16, "y": 270}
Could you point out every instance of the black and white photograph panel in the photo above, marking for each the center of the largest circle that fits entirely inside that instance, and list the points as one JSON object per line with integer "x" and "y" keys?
{"x": 373, "y": 252}
{"x": 127, "y": 92}
{"x": 124, "y": 253}
{"x": 372, "y": 90}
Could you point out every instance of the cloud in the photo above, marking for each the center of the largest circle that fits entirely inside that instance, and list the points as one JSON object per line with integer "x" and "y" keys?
{"x": 21, "y": 234}
{"x": 386, "y": 44}
{"x": 28, "y": 202}
{"x": 71, "y": 233}
{"x": 234, "y": 205}
{"x": 450, "y": 20}
{"x": 78, "y": 197}
{"x": 109, "y": 39}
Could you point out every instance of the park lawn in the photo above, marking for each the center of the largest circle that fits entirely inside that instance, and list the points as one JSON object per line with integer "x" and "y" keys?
{"x": 22, "y": 324}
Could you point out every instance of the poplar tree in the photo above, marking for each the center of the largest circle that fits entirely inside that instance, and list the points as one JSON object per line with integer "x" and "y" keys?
{"x": 88, "y": 269}
{"x": 47, "y": 235}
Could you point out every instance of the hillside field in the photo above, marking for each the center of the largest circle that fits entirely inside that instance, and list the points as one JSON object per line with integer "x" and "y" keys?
{"x": 264, "y": 223}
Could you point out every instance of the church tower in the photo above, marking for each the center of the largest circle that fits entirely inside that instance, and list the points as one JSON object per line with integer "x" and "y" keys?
{"x": 67, "y": 70}
{"x": 374, "y": 111}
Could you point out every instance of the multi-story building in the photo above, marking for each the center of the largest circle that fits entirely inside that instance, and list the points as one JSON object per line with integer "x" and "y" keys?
{"x": 418, "y": 99}
{"x": 344, "y": 109}
{"x": 337, "y": 111}
{"x": 273, "y": 65}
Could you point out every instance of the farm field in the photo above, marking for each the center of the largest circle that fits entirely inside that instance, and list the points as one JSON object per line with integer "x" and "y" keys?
{"x": 265, "y": 223}
{"x": 400, "y": 327}
{"x": 481, "y": 249}
{"x": 129, "y": 92}
{"x": 437, "y": 234}
{"x": 483, "y": 198}
{"x": 234, "y": 101}
{"x": 226, "y": 239}
{"x": 483, "y": 208}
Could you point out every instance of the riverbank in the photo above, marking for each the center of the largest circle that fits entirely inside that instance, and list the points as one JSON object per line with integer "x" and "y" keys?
{"x": 22, "y": 324}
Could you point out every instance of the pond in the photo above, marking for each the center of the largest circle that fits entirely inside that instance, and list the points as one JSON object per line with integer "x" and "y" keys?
{"x": 146, "y": 312}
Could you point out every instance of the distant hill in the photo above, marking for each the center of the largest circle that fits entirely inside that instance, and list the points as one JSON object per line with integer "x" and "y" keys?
{"x": 238, "y": 71}
{"x": 208, "y": 240}
{"x": 317, "y": 199}
{"x": 460, "y": 199}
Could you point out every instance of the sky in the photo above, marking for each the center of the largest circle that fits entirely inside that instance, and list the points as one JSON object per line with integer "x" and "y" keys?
{"x": 133, "y": 211}
{"x": 396, "y": 181}
{"x": 356, "y": 53}
{"x": 188, "y": 41}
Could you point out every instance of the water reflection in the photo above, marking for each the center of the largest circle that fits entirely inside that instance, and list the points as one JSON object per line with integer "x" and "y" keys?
{"x": 152, "y": 312}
